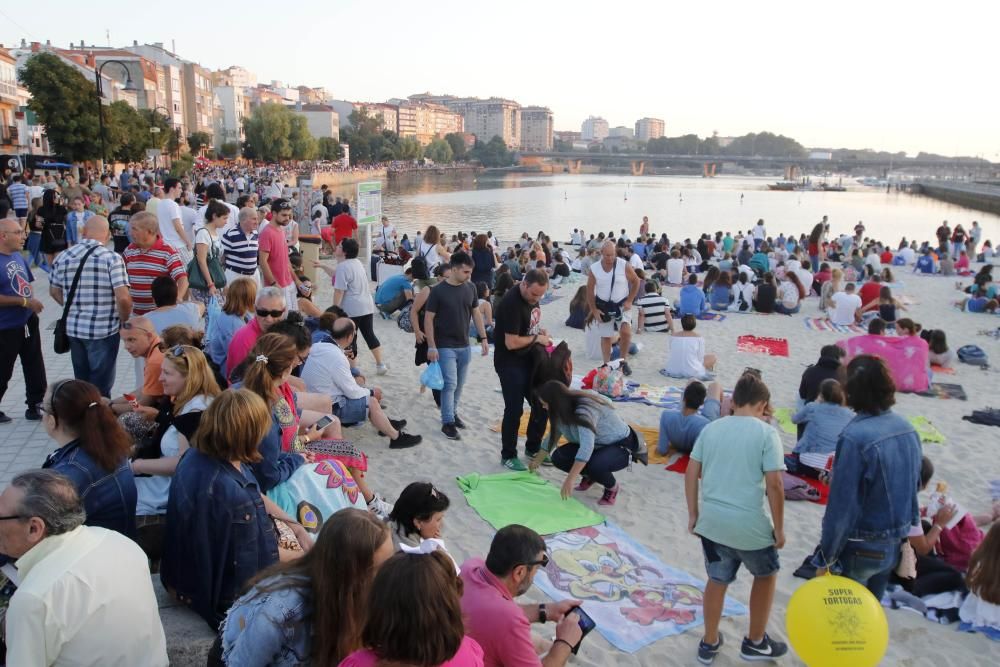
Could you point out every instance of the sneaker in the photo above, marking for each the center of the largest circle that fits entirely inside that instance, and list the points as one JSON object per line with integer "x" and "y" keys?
{"x": 458, "y": 422}
{"x": 450, "y": 431}
{"x": 707, "y": 652}
{"x": 515, "y": 464}
{"x": 609, "y": 495}
{"x": 767, "y": 649}
{"x": 585, "y": 483}
{"x": 32, "y": 414}
{"x": 379, "y": 507}
{"x": 381, "y": 369}
{"x": 626, "y": 369}
{"x": 405, "y": 440}
{"x": 4, "y": 419}
{"x": 397, "y": 424}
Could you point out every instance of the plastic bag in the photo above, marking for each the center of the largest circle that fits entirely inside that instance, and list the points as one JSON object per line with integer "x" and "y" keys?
{"x": 432, "y": 377}
{"x": 212, "y": 315}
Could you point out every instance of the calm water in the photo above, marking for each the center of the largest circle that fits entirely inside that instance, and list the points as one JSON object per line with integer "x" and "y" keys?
{"x": 683, "y": 207}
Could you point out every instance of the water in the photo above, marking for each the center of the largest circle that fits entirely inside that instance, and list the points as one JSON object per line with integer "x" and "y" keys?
{"x": 509, "y": 204}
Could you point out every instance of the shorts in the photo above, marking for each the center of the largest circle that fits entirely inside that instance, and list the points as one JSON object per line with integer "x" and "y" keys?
{"x": 722, "y": 562}
{"x": 711, "y": 409}
{"x": 608, "y": 329}
{"x": 351, "y": 410}
{"x": 21, "y": 212}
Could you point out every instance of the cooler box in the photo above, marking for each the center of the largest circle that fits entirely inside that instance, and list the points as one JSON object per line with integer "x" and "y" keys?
{"x": 385, "y": 271}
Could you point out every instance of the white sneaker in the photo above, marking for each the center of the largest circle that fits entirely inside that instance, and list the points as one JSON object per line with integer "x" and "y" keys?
{"x": 379, "y": 507}
{"x": 382, "y": 369}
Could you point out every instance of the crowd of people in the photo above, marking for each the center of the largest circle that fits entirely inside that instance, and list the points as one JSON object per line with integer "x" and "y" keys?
{"x": 244, "y": 387}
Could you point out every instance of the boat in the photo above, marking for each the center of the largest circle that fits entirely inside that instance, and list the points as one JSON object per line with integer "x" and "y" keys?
{"x": 784, "y": 186}
{"x": 832, "y": 188}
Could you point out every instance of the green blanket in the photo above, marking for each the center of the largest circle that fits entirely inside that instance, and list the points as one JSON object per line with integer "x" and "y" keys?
{"x": 784, "y": 417}
{"x": 526, "y": 499}
{"x": 926, "y": 430}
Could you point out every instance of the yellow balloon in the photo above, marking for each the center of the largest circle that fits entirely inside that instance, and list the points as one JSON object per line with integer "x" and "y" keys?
{"x": 834, "y": 621}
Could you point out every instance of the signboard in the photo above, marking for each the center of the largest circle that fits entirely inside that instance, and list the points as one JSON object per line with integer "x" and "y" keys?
{"x": 369, "y": 202}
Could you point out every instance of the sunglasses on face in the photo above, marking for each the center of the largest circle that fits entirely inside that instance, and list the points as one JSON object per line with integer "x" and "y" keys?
{"x": 544, "y": 562}
{"x": 270, "y": 313}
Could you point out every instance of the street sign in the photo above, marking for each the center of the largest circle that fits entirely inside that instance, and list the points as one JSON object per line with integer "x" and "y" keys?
{"x": 369, "y": 202}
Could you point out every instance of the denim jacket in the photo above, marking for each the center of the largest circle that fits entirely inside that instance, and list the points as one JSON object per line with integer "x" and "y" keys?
{"x": 270, "y": 628}
{"x": 108, "y": 497}
{"x": 217, "y": 536}
{"x": 275, "y": 466}
{"x": 876, "y": 476}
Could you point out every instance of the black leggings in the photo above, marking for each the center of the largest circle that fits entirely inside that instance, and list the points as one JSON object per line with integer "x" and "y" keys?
{"x": 364, "y": 324}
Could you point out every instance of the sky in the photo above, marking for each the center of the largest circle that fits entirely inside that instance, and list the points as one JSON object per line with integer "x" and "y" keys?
{"x": 882, "y": 74}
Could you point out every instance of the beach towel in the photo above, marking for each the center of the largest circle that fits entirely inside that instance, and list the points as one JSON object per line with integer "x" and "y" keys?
{"x": 658, "y": 396}
{"x": 906, "y": 357}
{"x": 823, "y": 489}
{"x": 824, "y": 324}
{"x": 943, "y": 370}
{"x": 927, "y": 431}
{"x": 784, "y": 418}
{"x": 316, "y": 491}
{"x": 634, "y": 598}
{"x": 524, "y": 498}
{"x": 711, "y": 317}
{"x": 773, "y": 347}
{"x": 680, "y": 465}
{"x": 945, "y": 391}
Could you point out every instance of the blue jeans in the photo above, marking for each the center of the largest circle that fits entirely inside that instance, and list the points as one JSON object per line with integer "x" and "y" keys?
{"x": 870, "y": 563}
{"x": 95, "y": 361}
{"x": 454, "y": 366}
{"x": 35, "y": 250}
{"x": 604, "y": 462}
{"x": 780, "y": 308}
{"x": 814, "y": 260}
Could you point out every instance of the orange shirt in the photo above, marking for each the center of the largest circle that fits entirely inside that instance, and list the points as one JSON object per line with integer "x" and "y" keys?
{"x": 151, "y": 385}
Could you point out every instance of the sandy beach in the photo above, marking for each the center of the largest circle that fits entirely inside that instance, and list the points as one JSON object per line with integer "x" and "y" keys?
{"x": 651, "y": 506}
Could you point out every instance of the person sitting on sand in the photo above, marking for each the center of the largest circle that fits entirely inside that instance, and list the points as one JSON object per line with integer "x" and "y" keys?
{"x": 692, "y": 299}
{"x": 417, "y": 515}
{"x": 679, "y": 429}
{"x": 978, "y": 303}
{"x": 824, "y": 419}
{"x": 654, "y": 311}
{"x": 687, "y": 353}
{"x": 886, "y": 305}
{"x": 846, "y": 306}
{"x": 980, "y": 611}
{"x": 937, "y": 343}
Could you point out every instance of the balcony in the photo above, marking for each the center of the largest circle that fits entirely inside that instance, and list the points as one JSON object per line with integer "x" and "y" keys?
{"x": 8, "y": 135}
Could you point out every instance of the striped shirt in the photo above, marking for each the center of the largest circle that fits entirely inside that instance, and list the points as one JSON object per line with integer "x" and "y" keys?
{"x": 93, "y": 314}
{"x": 18, "y": 194}
{"x": 145, "y": 266}
{"x": 654, "y": 307}
{"x": 240, "y": 251}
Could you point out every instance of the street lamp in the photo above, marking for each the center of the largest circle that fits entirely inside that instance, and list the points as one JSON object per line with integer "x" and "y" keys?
{"x": 155, "y": 130}
{"x": 129, "y": 86}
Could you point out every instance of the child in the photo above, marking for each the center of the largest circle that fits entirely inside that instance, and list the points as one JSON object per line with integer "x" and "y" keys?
{"x": 733, "y": 461}
{"x": 981, "y": 610}
{"x": 485, "y": 307}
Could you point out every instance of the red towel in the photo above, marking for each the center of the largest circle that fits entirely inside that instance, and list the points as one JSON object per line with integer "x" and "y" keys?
{"x": 680, "y": 465}
{"x": 775, "y": 347}
{"x": 824, "y": 490}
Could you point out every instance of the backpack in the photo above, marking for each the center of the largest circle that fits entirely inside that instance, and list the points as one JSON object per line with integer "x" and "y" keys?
{"x": 973, "y": 354}
{"x": 419, "y": 268}
{"x": 405, "y": 313}
{"x": 986, "y": 417}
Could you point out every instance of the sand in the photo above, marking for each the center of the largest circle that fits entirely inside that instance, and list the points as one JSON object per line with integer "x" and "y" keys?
{"x": 651, "y": 504}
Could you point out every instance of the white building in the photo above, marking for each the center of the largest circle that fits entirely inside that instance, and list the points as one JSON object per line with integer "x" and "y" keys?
{"x": 234, "y": 103}
{"x": 321, "y": 119}
{"x": 621, "y": 131}
{"x": 594, "y": 128}
{"x": 649, "y": 128}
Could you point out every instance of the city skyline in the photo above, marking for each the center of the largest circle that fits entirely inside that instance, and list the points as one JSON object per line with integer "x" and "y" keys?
{"x": 881, "y": 76}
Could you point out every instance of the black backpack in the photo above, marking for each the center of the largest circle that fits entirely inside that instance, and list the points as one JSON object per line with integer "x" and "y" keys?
{"x": 419, "y": 268}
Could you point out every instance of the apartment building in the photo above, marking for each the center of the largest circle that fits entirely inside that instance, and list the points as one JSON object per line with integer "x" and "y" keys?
{"x": 649, "y": 128}
{"x": 321, "y": 119}
{"x": 10, "y": 137}
{"x": 536, "y": 129}
{"x": 594, "y": 128}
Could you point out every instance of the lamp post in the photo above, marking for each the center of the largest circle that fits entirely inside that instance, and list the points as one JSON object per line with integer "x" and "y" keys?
{"x": 129, "y": 86}
{"x": 153, "y": 129}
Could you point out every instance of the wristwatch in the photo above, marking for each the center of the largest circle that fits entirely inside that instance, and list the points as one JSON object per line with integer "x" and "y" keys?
{"x": 542, "y": 616}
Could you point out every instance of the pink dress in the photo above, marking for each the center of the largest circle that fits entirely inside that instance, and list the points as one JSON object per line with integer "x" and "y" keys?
{"x": 469, "y": 655}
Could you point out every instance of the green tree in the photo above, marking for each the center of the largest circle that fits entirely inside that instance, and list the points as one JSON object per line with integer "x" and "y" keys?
{"x": 66, "y": 104}
{"x": 182, "y": 166}
{"x": 457, "y": 143}
{"x": 329, "y": 149}
{"x": 127, "y": 133}
{"x": 267, "y": 131}
{"x": 765, "y": 144}
{"x": 199, "y": 140}
{"x": 229, "y": 149}
{"x": 439, "y": 151}
{"x": 173, "y": 143}
{"x": 154, "y": 119}
{"x": 361, "y": 121}
{"x": 410, "y": 149}
{"x": 494, "y": 153}
{"x": 303, "y": 143}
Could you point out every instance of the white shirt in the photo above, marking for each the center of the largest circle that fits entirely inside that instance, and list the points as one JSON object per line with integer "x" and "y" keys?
{"x": 383, "y": 237}
{"x": 241, "y": 183}
{"x": 603, "y": 289}
{"x": 675, "y": 270}
{"x": 85, "y": 598}
{"x": 805, "y": 278}
{"x": 231, "y": 221}
{"x": 687, "y": 356}
{"x": 352, "y": 279}
{"x": 167, "y": 211}
{"x": 429, "y": 253}
{"x": 759, "y": 232}
{"x": 844, "y": 307}
{"x": 328, "y": 372}
{"x": 873, "y": 261}
{"x": 635, "y": 261}
{"x": 191, "y": 221}
{"x": 789, "y": 294}
{"x": 908, "y": 255}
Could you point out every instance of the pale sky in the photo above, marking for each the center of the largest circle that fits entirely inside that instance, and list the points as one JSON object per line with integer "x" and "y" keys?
{"x": 883, "y": 74}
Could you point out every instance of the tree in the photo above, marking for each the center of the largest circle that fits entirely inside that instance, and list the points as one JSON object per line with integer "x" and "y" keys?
{"x": 267, "y": 131}
{"x": 199, "y": 140}
{"x": 457, "y": 144}
{"x": 494, "y": 153}
{"x": 329, "y": 149}
{"x": 154, "y": 119}
{"x": 303, "y": 143}
{"x": 439, "y": 151}
{"x": 127, "y": 133}
{"x": 766, "y": 144}
{"x": 182, "y": 166}
{"x": 66, "y": 104}
{"x": 229, "y": 149}
{"x": 409, "y": 149}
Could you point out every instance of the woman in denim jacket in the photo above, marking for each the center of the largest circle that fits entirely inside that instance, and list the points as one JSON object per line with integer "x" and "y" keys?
{"x": 875, "y": 479}
{"x": 273, "y": 623}
{"x": 93, "y": 452}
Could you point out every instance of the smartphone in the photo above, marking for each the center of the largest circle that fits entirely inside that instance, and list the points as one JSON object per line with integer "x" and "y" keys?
{"x": 324, "y": 422}
{"x": 586, "y": 625}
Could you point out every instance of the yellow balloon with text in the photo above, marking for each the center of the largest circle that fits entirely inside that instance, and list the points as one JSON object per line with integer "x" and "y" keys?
{"x": 835, "y": 621}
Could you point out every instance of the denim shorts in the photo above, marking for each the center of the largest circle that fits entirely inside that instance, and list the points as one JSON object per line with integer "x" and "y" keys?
{"x": 351, "y": 410}
{"x": 722, "y": 562}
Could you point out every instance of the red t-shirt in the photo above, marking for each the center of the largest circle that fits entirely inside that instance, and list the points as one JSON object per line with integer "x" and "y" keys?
{"x": 869, "y": 292}
{"x": 886, "y": 257}
{"x": 272, "y": 241}
{"x": 343, "y": 226}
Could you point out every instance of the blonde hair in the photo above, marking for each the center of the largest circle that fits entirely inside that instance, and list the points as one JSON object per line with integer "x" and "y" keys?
{"x": 233, "y": 426}
{"x": 198, "y": 375}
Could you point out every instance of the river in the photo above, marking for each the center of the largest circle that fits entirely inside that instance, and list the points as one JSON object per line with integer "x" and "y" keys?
{"x": 509, "y": 204}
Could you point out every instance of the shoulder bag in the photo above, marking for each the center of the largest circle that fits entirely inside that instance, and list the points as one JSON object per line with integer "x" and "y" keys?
{"x": 195, "y": 279}
{"x": 60, "y": 341}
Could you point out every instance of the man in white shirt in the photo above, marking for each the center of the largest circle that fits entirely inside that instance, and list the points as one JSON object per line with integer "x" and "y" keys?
{"x": 168, "y": 215}
{"x": 873, "y": 260}
{"x": 85, "y": 596}
{"x": 385, "y": 237}
{"x": 846, "y": 306}
{"x": 759, "y": 234}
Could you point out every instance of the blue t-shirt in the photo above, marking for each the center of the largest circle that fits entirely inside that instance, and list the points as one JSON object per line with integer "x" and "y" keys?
{"x": 977, "y": 304}
{"x": 392, "y": 288}
{"x": 681, "y": 431}
{"x": 15, "y": 281}
{"x": 925, "y": 264}
{"x": 639, "y": 249}
{"x": 691, "y": 301}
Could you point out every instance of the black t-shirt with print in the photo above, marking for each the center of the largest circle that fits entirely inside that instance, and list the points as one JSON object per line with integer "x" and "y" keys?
{"x": 517, "y": 317}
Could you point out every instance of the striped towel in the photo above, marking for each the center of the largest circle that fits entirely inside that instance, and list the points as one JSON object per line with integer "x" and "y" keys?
{"x": 824, "y": 324}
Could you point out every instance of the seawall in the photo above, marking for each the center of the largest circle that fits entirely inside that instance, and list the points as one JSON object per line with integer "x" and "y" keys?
{"x": 980, "y": 196}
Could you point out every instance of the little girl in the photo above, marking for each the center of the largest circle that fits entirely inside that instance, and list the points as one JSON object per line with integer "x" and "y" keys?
{"x": 884, "y": 307}
{"x": 981, "y": 610}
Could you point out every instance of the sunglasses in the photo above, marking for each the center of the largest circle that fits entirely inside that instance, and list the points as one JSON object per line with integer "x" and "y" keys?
{"x": 544, "y": 562}
{"x": 129, "y": 326}
{"x": 283, "y": 206}
{"x": 270, "y": 313}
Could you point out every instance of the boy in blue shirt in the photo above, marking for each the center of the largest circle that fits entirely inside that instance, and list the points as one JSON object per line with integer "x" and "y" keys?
{"x": 692, "y": 298}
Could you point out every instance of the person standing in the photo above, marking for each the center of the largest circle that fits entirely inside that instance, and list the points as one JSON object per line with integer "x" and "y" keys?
{"x": 241, "y": 249}
{"x": 19, "y": 336}
{"x": 350, "y": 292}
{"x": 118, "y": 221}
{"x": 759, "y": 234}
{"x": 344, "y": 226}
{"x": 611, "y": 288}
{"x": 446, "y": 324}
{"x": 18, "y": 194}
{"x": 168, "y": 215}
{"x": 146, "y": 259}
{"x": 273, "y": 254}
{"x": 101, "y": 303}
{"x": 518, "y": 327}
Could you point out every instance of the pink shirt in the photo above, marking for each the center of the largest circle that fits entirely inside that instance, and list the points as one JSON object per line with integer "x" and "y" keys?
{"x": 241, "y": 344}
{"x": 494, "y": 619}
{"x": 272, "y": 241}
{"x": 469, "y": 655}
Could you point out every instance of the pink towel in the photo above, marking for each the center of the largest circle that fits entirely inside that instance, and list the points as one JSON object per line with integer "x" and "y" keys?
{"x": 905, "y": 356}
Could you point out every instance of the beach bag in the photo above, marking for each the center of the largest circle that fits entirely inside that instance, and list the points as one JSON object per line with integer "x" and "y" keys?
{"x": 973, "y": 354}
{"x": 60, "y": 339}
{"x": 215, "y": 270}
{"x": 404, "y": 322}
{"x": 985, "y": 417}
{"x": 432, "y": 377}
{"x": 609, "y": 382}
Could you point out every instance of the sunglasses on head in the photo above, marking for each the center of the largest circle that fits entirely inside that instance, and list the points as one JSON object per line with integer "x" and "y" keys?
{"x": 129, "y": 326}
{"x": 269, "y": 313}
{"x": 283, "y": 206}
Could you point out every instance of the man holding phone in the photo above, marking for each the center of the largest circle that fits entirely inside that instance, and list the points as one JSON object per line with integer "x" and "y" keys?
{"x": 501, "y": 626}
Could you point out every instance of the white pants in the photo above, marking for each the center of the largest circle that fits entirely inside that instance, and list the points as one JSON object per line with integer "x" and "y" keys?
{"x": 234, "y": 275}
{"x": 291, "y": 297}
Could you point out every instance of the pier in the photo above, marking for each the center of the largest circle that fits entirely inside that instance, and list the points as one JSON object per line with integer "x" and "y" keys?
{"x": 980, "y": 196}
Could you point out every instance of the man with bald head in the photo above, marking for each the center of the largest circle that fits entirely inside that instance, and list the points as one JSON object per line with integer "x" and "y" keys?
{"x": 19, "y": 310}
{"x": 98, "y": 306}
{"x": 612, "y": 287}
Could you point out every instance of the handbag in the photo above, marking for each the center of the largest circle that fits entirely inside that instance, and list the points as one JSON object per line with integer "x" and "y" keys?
{"x": 215, "y": 270}
{"x": 60, "y": 339}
